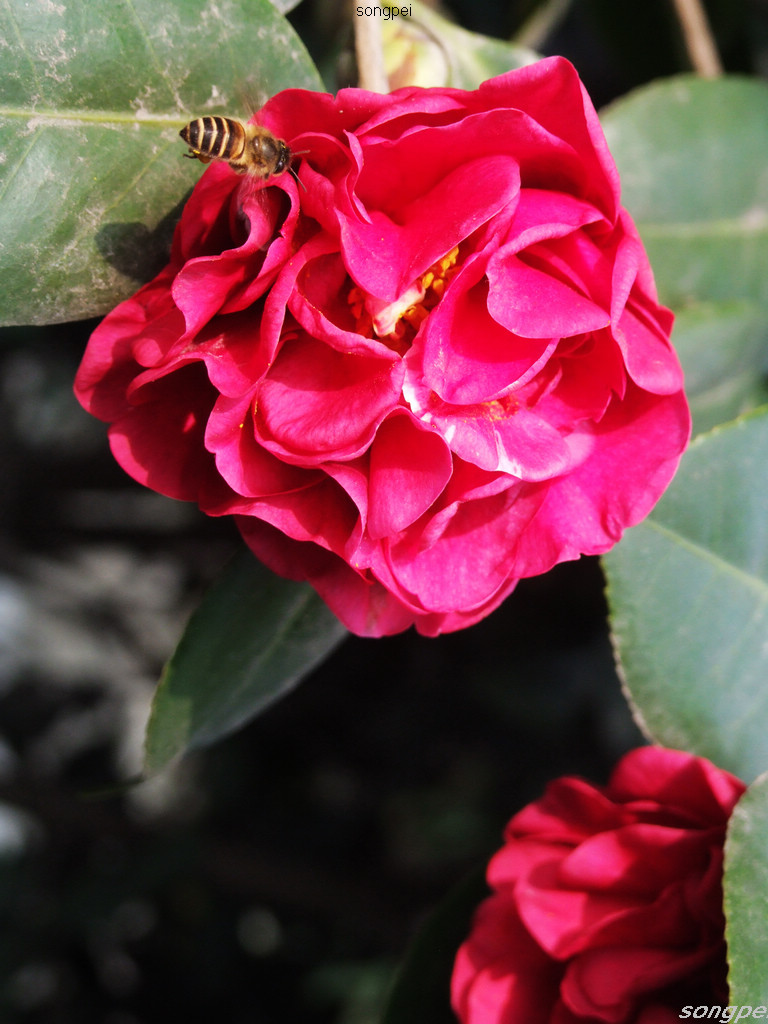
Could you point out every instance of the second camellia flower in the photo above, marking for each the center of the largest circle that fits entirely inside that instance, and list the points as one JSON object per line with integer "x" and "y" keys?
{"x": 607, "y": 904}
{"x": 431, "y": 366}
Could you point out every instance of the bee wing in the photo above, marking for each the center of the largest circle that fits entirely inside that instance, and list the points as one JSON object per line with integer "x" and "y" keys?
{"x": 251, "y": 96}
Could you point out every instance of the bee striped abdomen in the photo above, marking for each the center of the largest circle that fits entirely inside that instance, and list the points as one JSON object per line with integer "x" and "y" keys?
{"x": 247, "y": 148}
{"x": 218, "y": 138}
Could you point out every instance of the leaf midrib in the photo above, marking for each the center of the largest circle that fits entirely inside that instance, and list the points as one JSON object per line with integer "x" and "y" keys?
{"x": 756, "y": 583}
{"x": 745, "y": 224}
{"x": 44, "y": 114}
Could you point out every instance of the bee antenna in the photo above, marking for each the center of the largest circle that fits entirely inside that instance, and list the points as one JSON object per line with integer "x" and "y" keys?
{"x": 296, "y": 178}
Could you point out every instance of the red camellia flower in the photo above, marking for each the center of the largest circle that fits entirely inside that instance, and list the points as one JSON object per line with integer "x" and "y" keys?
{"x": 432, "y": 365}
{"x": 607, "y": 903}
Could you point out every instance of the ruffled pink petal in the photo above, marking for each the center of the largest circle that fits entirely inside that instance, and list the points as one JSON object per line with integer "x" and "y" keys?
{"x": 159, "y": 442}
{"x": 409, "y": 468}
{"x": 471, "y": 559}
{"x": 543, "y": 216}
{"x": 569, "y": 811}
{"x": 552, "y": 94}
{"x": 604, "y": 984}
{"x": 320, "y": 514}
{"x": 316, "y": 403}
{"x": 688, "y": 787}
{"x": 463, "y": 354}
{"x": 635, "y": 453}
{"x": 636, "y": 859}
{"x": 249, "y": 469}
{"x": 500, "y": 974}
{"x": 535, "y": 304}
{"x": 137, "y": 333}
{"x": 364, "y": 606}
{"x": 385, "y": 256}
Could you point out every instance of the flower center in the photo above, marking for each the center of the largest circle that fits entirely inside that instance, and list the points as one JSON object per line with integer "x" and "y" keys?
{"x": 397, "y": 323}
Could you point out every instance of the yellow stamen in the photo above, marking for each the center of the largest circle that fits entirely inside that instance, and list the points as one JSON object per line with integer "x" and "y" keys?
{"x": 432, "y": 284}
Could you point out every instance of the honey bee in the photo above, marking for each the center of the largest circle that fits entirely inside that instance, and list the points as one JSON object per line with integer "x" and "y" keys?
{"x": 248, "y": 148}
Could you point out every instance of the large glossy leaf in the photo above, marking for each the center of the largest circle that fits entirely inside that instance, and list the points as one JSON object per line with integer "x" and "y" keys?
{"x": 722, "y": 346}
{"x": 421, "y": 990}
{"x": 284, "y": 6}
{"x": 688, "y": 594}
{"x": 92, "y": 96}
{"x": 692, "y": 158}
{"x": 745, "y": 886}
{"x": 253, "y": 637}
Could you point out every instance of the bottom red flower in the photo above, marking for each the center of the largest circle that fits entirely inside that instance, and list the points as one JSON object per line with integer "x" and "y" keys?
{"x": 607, "y": 901}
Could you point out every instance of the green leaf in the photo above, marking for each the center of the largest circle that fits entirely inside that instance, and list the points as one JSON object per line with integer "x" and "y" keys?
{"x": 421, "y": 990}
{"x": 745, "y": 884}
{"x": 692, "y": 156}
{"x": 435, "y": 52}
{"x": 284, "y": 6}
{"x": 252, "y": 639}
{"x": 92, "y": 97}
{"x": 722, "y": 348}
{"x": 688, "y": 597}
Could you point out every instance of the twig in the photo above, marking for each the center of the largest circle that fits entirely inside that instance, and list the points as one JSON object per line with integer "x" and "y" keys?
{"x": 698, "y": 37}
{"x": 541, "y": 24}
{"x": 369, "y": 52}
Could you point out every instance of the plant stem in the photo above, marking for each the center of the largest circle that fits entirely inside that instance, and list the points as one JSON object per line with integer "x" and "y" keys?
{"x": 369, "y": 52}
{"x": 539, "y": 26}
{"x": 698, "y": 37}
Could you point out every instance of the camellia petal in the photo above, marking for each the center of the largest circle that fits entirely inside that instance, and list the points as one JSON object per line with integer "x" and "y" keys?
{"x": 604, "y": 983}
{"x": 409, "y": 468}
{"x": 553, "y": 96}
{"x": 317, "y": 403}
{"x": 500, "y": 436}
{"x": 536, "y": 304}
{"x": 470, "y": 561}
{"x": 466, "y": 356}
{"x": 158, "y": 441}
{"x": 385, "y": 255}
{"x": 249, "y": 469}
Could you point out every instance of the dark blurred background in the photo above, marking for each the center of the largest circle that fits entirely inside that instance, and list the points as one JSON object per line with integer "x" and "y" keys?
{"x": 279, "y": 876}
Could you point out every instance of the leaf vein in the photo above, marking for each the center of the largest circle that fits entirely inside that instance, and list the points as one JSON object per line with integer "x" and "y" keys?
{"x": 753, "y": 224}
{"x": 17, "y": 166}
{"x": 706, "y": 554}
{"x": 23, "y": 46}
{"x": 151, "y": 50}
